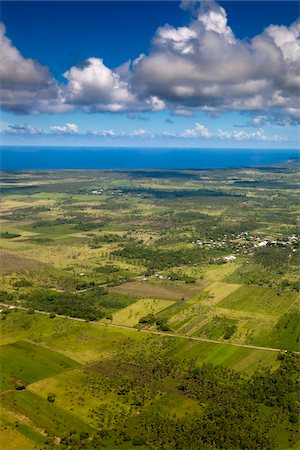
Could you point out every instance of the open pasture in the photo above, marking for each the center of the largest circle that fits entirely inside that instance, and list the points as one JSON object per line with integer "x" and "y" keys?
{"x": 24, "y": 362}
{"x": 131, "y": 315}
{"x": 217, "y": 272}
{"x": 89, "y": 392}
{"x": 79, "y": 341}
{"x": 11, "y": 439}
{"x": 217, "y": 291}
{"x": 260, "y": 300}
{"x": 41, "y": 414}
{"x": 284, "y": 334}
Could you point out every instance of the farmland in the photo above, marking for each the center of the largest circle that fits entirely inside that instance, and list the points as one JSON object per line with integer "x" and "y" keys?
{"x": 149, "y": 309}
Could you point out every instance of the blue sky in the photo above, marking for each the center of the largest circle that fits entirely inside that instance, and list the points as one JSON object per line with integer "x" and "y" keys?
{"x": 189, "y": 74}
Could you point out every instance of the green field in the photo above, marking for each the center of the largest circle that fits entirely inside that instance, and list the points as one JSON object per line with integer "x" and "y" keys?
{"x": 130, "y": 315}
{"x": 25, "y": 362}
{"x": 126, "y": 317}
{"x": 259, "y": 300}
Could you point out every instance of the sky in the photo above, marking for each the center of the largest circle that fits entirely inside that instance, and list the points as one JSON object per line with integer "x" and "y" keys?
{"x": 167, "y": 74}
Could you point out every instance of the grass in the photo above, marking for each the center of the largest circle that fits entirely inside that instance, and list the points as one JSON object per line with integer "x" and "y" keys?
{"x": 217, "y": 291}
{"x": 82, "y": 342}
{"x": 11, "y": 439}
{"x": 26, "y": 362}
{"x": 64, "y": 355}
{"x": 260, "y": 300}
{"x": 285, "y": 334}
{"x": 217, "y": 328}
{"x": 29, "y": 407}
{"x": 87, "y": 391}
{"x": 216, "y": 272}
{"x": 241, "y": 359}
{"x": 130, "y": 315}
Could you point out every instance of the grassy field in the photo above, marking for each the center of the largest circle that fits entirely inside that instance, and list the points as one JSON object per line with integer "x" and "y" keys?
{"x": 259, "y": 300}
{"x": 13, "y": 440}
{"x": 75, "y": 384}
{"x": 217, "y": 291}
{"x": 80, "y": 394}
{"x": 285, "y": 334}
{"x": 25, "y": 362}
{"x": 130, "y": 315}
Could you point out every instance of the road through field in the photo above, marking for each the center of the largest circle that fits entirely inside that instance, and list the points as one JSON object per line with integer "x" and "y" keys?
{"x": 160, "y": 333}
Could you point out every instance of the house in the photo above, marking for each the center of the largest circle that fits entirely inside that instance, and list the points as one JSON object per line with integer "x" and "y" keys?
{"x": 229, "y": 258}
{"x": 262, "y": 244}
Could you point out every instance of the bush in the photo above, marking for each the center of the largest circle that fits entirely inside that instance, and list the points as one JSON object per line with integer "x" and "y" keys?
{"x": 162, "y": 324}
{"x": 147, "y": 319}
{"x": 230, "y": 332}
{"x": 20, "y": 386}
{"x": 138, "y": 440}
{"x": 51, "y": 398}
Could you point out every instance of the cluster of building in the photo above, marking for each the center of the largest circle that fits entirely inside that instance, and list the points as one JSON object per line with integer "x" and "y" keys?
{"x": 245, "y": 242}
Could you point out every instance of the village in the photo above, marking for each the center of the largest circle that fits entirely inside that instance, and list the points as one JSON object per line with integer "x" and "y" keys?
{"x": 244, "y": 243}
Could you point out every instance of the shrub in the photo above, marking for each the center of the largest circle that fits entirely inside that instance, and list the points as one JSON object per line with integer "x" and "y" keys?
{"x": 51, "y": 398}
{"x": 20, "y": 386}
{"x": 138, "y": 440}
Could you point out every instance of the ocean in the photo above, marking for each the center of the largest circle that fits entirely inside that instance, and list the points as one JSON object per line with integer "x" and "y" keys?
{"x": 43, "y": 158}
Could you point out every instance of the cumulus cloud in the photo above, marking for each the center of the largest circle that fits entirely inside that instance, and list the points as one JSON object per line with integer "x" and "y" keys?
{"x": 26, "y": 85}
{"x": 95, "y": 87}
{"x": 198, "y": 131}
{"x": 242, "y": 135}
{"x": 68, "y": 128}
{"x": 134, "y": 133}
{"x": 110, "y": 133}
{"x": 200, "y": 66}
{"x": 205, "y": 67}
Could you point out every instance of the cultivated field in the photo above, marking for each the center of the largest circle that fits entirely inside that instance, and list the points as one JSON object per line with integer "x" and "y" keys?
{"x": 130, "y": 315}
{"x": 159, "y": 312}
{"x": 142, "y": 289}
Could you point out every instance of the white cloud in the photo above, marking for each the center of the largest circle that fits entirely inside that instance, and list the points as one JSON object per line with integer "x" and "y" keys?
{"x": 200, "y": 66}
{"x": 177, "y": 39}
{"x": 214, "y": 18}
{"x": 113, "y": 133}
{"x": 68, "y": 128}
{"x": 26, "y": 85}
{"x": 198, "y": 131}
{"x": 95, "y": 87}
{"x": 110, "y": 133}
{"x": 242, "y": 135}
{"x": 205, "y": 67}
{"x": 138, "y": 133}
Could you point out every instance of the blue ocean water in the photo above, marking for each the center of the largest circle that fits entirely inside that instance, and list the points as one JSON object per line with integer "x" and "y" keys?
{"x": 42, "y": 158}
